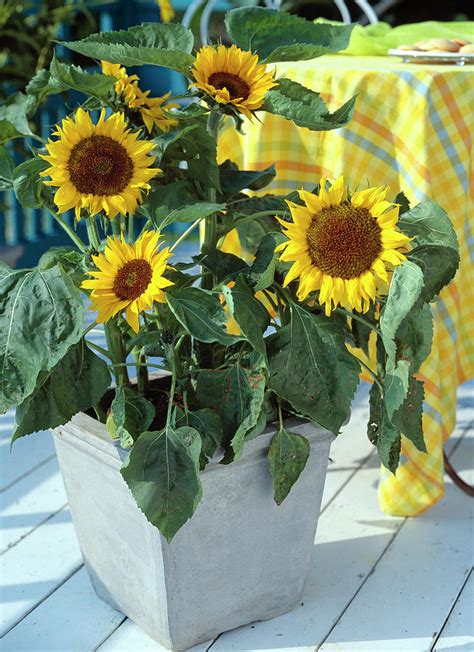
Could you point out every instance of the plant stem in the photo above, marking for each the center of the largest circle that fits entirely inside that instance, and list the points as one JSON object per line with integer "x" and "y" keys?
{"x": 142, "y": 373}
{"x": 99, "y": 349}
{"x": 117, "y": 352}
{"x": 71, "y": 233}
{"x": 100, "y": 413}
{"x": 376, "y": 379}
{"x": 135, "y": 364}
{"x": 347, "y": 313}
{"x": 170, "y": 357}
{"x": 93, "y": 233}
{"x": 280, "y": 416}
{"x": 210, "y": 230}
{"x": 116, "y": 228}
{"x": 185, "y": 234}
{"x": 268, "y": 213}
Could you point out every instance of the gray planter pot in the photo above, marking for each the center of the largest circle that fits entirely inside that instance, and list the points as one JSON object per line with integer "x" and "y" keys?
{"x": 240, "y": 558}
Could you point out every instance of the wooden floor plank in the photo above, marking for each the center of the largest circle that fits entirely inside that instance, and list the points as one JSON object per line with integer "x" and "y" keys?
{"x": 458, "y": 632}
{"x": 130, "y": 638}
{"x": 36, "y": 566}
{"x": 73, "y": 618}
{"x": 26, "y": 454}
{"x": 29, "y": 502}
{"x": 432, "y": 552}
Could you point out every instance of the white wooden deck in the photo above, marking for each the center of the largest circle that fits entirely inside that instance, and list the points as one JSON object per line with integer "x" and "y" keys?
{"x": 376, "y": 583}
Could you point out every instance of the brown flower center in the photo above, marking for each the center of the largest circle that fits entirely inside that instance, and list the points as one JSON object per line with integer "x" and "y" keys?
{"x": 343, "y": 241}
{"x": 99, "y": 165}
{"x": 132, "y": 279}
{"x": 237, "y": 87}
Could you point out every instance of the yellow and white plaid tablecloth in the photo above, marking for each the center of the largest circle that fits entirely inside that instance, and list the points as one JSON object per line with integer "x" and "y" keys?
{"x": 412, "y": 130}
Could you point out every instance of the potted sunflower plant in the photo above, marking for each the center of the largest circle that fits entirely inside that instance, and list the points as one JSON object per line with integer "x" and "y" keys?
{"x": 194, "y": 442}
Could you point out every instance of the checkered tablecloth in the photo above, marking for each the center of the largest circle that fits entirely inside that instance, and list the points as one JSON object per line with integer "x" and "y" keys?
{"x": 412, "y": 130}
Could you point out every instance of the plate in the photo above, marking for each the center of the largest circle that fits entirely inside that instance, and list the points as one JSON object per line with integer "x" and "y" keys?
{"x": 434, "y": 56}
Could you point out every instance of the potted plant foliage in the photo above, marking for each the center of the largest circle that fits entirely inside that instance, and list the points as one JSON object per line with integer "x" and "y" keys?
{"x": 194, "y": 445}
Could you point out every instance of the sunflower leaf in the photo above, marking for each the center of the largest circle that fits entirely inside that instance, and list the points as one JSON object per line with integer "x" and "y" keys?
{"x": 305, "y": 107}
{"x": 65, "y": 76}
{"x": 408, "y": 418}
{"x": 405, "y": 289}
{"x": 158, "y": 44}
{"x": 209, "y": 426}
{"x": 252, "y": 318}
{"x": 414, "y": 337}
{"x": 311, "y": 368}
{"x": 435, "y": 247}
{"x": 201, "y": 314}
{"x": 75, "y": 384}
{"x": 279, "y": 36}
{"x": 382, "y": 432}
{"x": 14, "y": 115}
{"x": 234, "y": 180}
{"x": 287, "y": 457}
{"x": 162, "y": 472}
{"x": 236, "y": 394}
{"x": 130, "y": 416}
{"x": 27, "y": 183}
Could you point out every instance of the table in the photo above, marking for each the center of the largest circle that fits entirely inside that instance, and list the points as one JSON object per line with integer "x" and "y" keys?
{"x": 412, "y": 130}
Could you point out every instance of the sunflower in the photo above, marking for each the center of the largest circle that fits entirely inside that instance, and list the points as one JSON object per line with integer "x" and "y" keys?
{"x": 232, "y": 76}
{"x": 167, "y": 12}
{"x": 345, "y": 248}
{"x": 129, "y": 277}
{"x": 154, "y": 111}
{"x": 98, "y": 167}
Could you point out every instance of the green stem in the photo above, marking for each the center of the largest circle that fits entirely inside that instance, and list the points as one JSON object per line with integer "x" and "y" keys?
{"x": 99, "y": 349}
{"x": 116, "y": 228}
{"x": 135, "y": 364}
{"x": 171, "y": 361}
{"x": 185, "y": 234}
{"x": 117, "y": 352}
{"x": 93, "y": 233}
{"x": 268, "y": 213}
{"x": 347, "y": 313}
{"x": 280, "y": 416}
{"x": 142, "y": 373}
{"x": 376, "y": 378}
{"x": 100, "y": 413}
{"x": 71, "y": 233}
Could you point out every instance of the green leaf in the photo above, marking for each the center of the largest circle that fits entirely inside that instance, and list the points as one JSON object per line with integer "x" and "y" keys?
{"x": 189, "y": 213}
{"x": 279, "y": 36}
{"x": 166, "y": 140}
{"x": 405, "y": 289}
{"x": 403, "y": 202}
{"x": 70, "y": 259}
{"x": 252, "y": 318}
{"x": 158, "y": 44}
{"x": 414, "y": 337}
{"x": 209, "y": 426}
{"x": 130, "y": 416}
{"x": 65, "y": 76}
{"x": 435, "y": 246}
{"x": 40, "y": 87}
{"x": 311, "y": 368}
{"x": 75, "y": 384}
{"x": 14, "y": 117}
{"x": 262, "y": 271}
{"x": 201, "y": 314}
{"x": 226, "y": 267}
{"x": 408, "y": 419}
{"x": 250, "y": 205}
{"x": 28, "y": 184}
{"x": 41, "y": 316}
{"x": 396, "y": 385}
{"x": 305, "y": 108}
{"x": 382, "y": 432}
{"x": 234, "y": 180}
{"x": 7, "y": 165}
{"x": 236, "y": 394}
{"x": 162, "y": 472}
{"x": 287, "y": 458}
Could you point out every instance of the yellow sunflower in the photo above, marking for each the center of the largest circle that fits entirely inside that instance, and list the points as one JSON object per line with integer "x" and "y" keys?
{"x": 98, "y": 167}
{"x": 167, "y": 12}
{"x": 232, "y": 76}
{"x": 129, "y": 277}
{"x": 346, "y": 249}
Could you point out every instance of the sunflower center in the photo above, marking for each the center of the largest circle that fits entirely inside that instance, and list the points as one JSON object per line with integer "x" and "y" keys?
{"x": 343, "y": 241}
{"x": 99, "y": 165}
{"x": 235, "y": 85}
{"x": 132, "y": 279}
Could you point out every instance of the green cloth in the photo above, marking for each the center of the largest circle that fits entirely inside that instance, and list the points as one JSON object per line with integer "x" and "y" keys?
{"x": 379, "y": 38}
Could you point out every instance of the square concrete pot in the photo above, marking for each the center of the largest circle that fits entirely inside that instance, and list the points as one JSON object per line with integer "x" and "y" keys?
{"x": 241, "y": 558}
